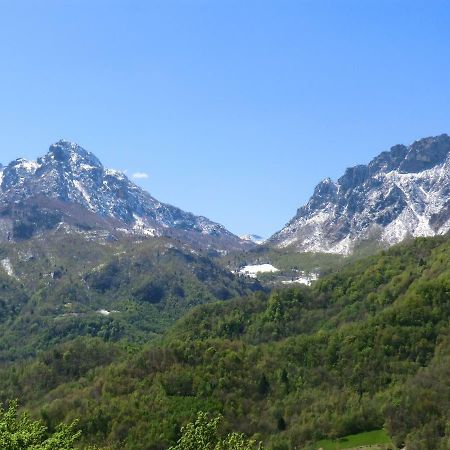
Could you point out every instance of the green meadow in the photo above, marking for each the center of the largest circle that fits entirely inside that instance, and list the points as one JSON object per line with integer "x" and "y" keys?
{"x": 374, "y": 440}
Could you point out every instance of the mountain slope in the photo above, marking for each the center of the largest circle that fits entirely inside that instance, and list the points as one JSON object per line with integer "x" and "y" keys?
{"x": 61, "y": 286}
{"x": 69, "y": 185}
{"x": 402, "y": 193}
{"x": 340, "y": 357}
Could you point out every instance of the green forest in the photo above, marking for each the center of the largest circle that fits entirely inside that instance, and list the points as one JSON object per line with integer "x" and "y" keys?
{"x": 196, "y": 355}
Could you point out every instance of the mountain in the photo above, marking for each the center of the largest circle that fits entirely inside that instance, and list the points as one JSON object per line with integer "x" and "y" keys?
{"x": 256, "y": 239}
{"x": 56, "y": 287}
{"x": 403, "y": 192}
{"x": 364, "y": 348}
{"x": 69, "y": 187}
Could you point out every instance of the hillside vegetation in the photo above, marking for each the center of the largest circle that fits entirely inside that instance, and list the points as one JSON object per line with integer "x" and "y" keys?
{"x": 62, "y": 286}
{"x": 366, "y": 347}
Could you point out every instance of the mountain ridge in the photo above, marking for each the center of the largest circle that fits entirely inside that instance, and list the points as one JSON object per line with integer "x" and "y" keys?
{"x": 403, "y": 192}
{"x": 68, "y": 174}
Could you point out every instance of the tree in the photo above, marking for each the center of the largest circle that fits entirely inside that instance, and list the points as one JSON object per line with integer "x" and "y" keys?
{"x": 22, "y": 433}
{"x": 281, "y": 425}
{"x": 263, "y": 385}
{"x": 203, "y": 435}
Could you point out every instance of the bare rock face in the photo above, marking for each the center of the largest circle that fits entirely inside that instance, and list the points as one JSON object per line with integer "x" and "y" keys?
{"x": 404, "y": 192}
{"x": 69, "y": 186}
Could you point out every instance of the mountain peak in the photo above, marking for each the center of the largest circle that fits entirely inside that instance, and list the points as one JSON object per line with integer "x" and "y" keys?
{"x": 426, "y": 153}
{"x": 77, "y": 190}
{"x": 71, "y": 153}
{"x": 401, "y": 192}
{"x": 255, "y": 238}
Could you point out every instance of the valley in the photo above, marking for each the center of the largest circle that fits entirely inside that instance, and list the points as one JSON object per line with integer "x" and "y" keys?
{"x": 318, "y": 362}
{"x": 133, "y": 316}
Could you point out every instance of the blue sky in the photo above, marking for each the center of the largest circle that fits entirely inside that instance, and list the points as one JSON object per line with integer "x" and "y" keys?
{"x": 235, "y": 109}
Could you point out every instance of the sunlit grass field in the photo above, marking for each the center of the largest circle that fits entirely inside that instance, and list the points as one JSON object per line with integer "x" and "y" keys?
{"x": 373, "y": 440}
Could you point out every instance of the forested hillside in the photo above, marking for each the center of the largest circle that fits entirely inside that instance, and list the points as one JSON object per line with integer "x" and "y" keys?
{"x": 366, "y": 347}
{"x": 60, "y": 286}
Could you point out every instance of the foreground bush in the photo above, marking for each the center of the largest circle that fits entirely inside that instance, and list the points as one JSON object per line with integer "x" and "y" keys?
{"x": 203, "y": 435}
{"x": 22, "y": 433}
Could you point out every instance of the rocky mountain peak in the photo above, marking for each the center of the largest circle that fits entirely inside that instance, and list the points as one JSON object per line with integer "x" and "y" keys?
{"x": 70, "y": 154}
{"x": 402, "y": 192}
{"x": 73, "y": 181}
{"x": 425, "y": 154}
{"x": 353, "y": 177}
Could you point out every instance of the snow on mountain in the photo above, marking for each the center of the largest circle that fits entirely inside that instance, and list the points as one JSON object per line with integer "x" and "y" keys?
{"x": 7, "y": 266}
{"x": 253, "y": 238}
{"x": 404, "y": 192}
{"x": 69, "y": 177}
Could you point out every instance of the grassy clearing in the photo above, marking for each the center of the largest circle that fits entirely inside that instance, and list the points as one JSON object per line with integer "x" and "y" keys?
{"x": 373, "y": 440}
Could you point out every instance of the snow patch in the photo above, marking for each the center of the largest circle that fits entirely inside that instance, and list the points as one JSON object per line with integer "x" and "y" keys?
{"x": 84, "y": 193}
{"x": 7, "y": 266}
{"x": 141, "y": 227}
{"x": 254, "y": 269}
{"x": 115, "y": 173}
{"x": 87, "y": 167}
{"x": 29, "y": 166}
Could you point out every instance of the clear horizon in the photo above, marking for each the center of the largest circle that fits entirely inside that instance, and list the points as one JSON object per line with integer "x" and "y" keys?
{"x": 228, "y": 110}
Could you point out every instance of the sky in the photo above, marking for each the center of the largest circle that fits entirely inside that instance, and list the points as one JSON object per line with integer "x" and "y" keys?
{"x": 232, "y": 109}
